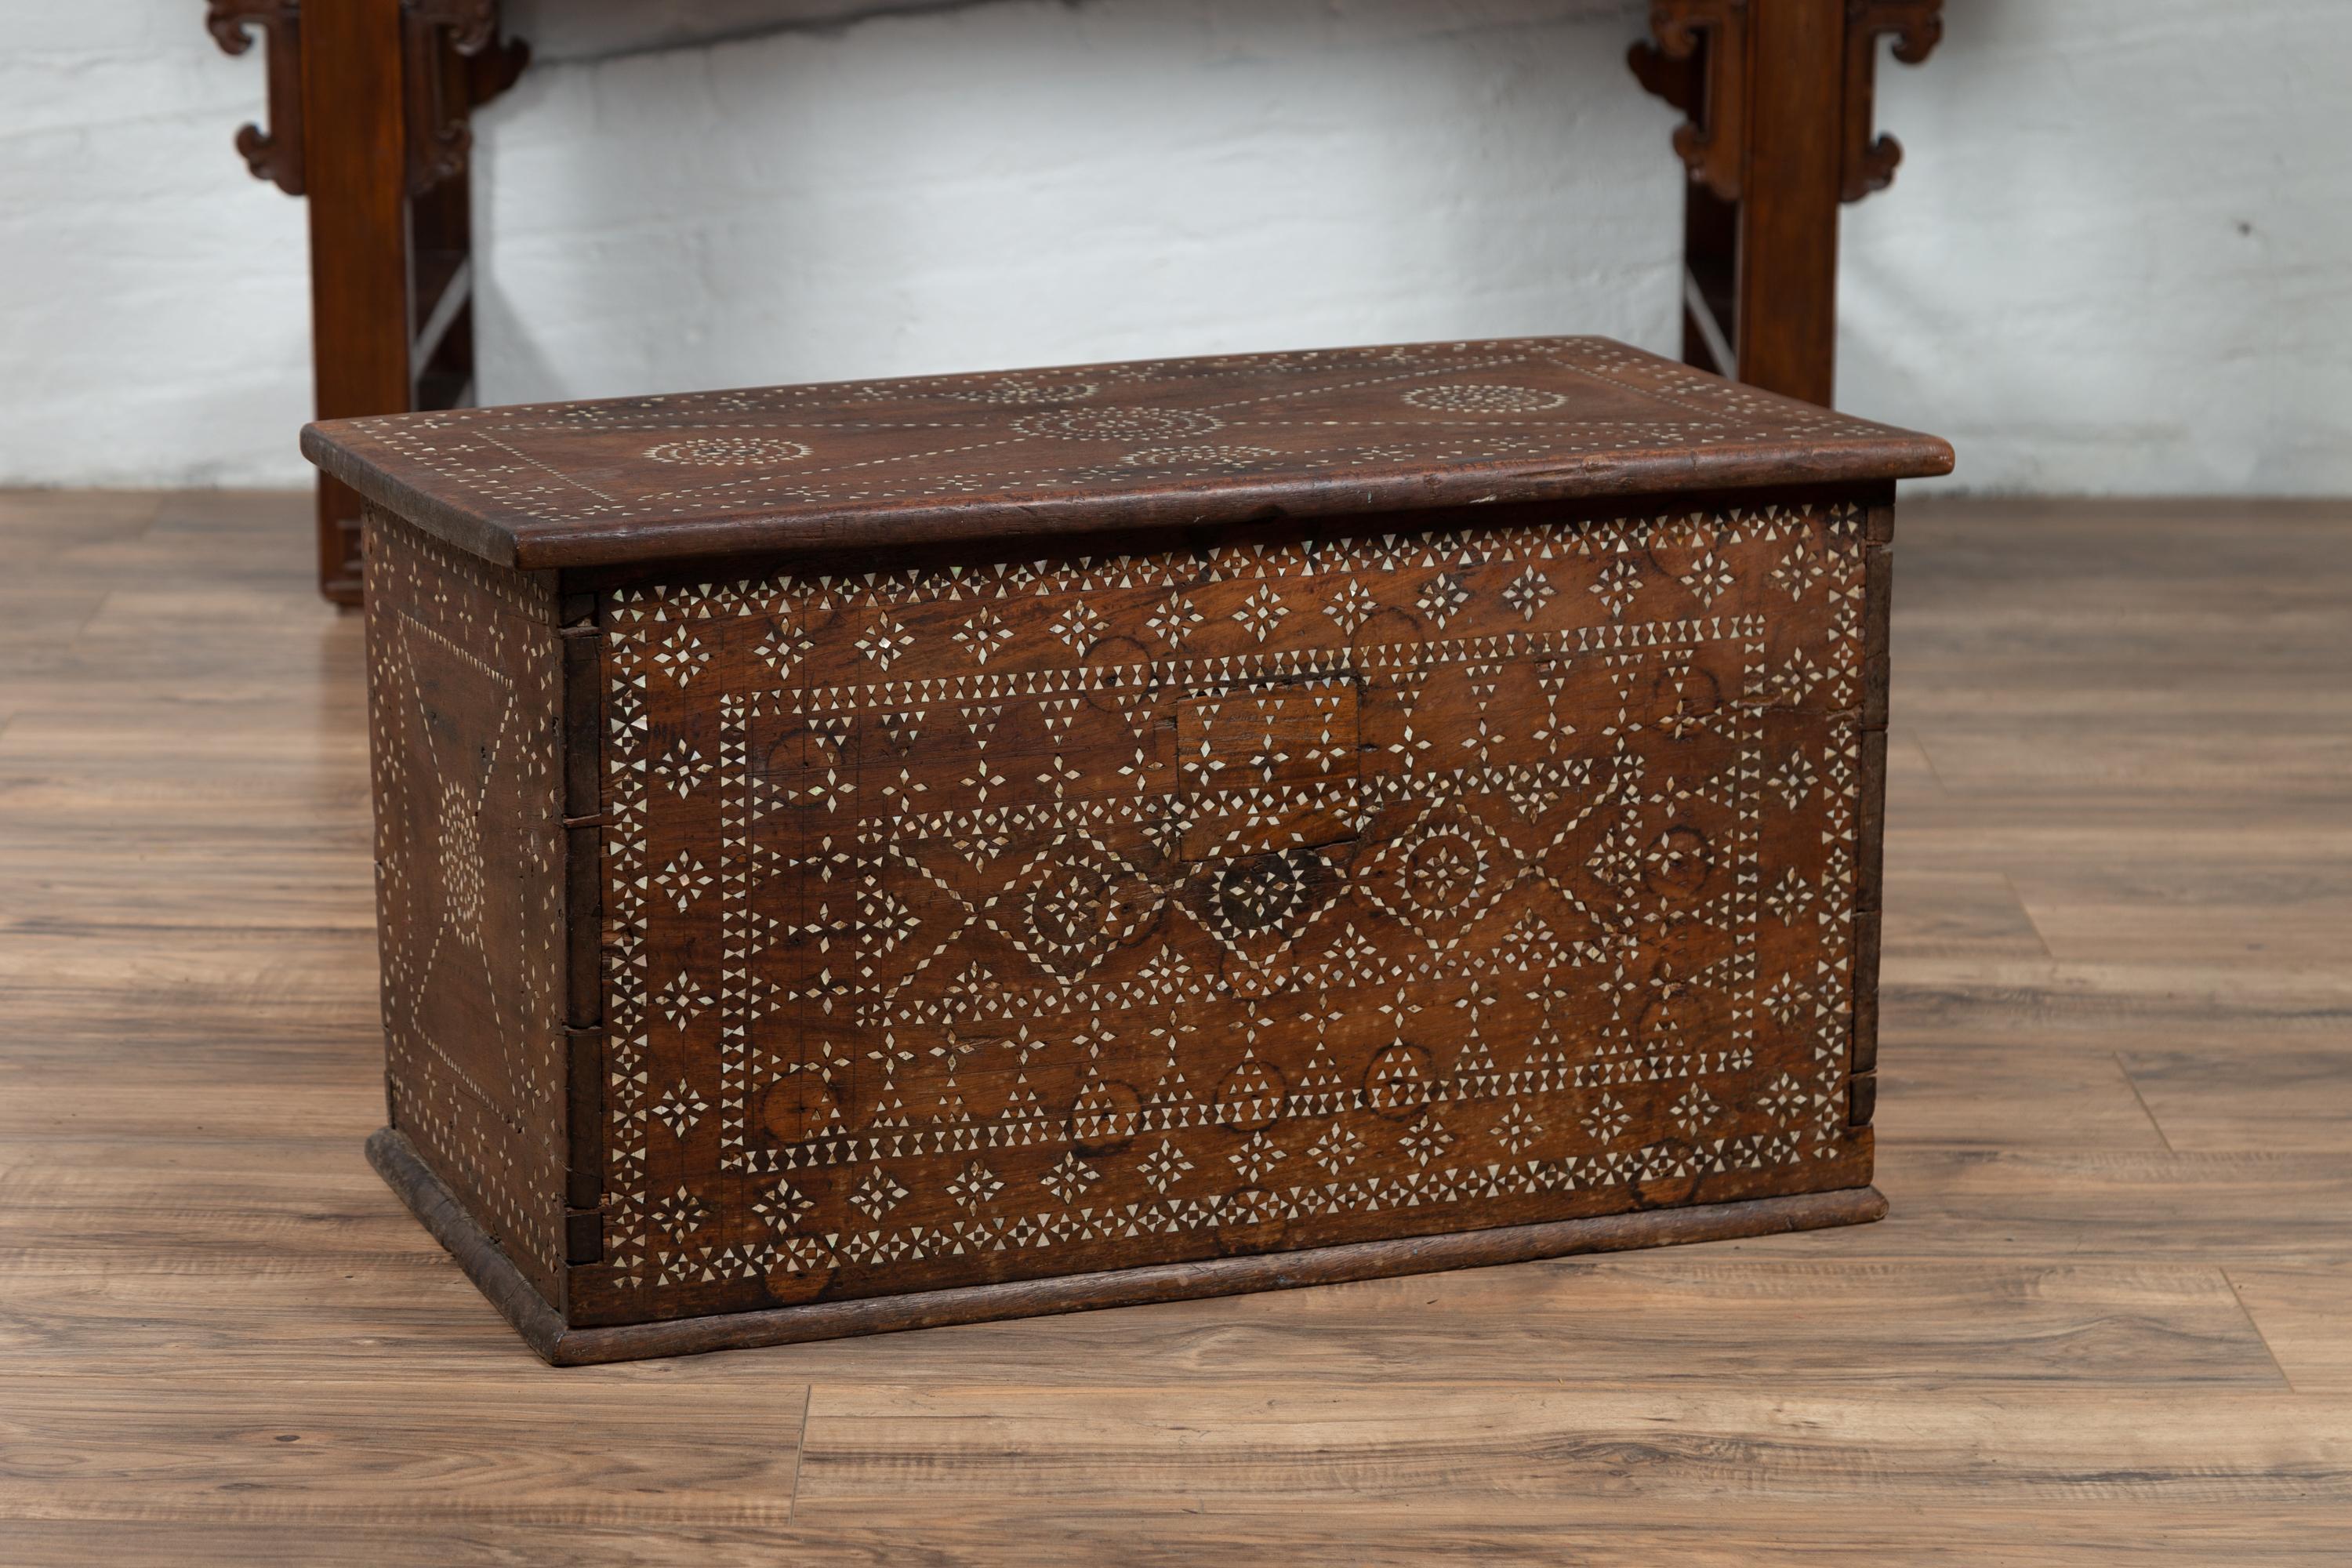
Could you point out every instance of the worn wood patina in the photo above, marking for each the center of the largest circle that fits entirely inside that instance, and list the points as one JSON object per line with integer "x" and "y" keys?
{"x": 863, "y": 856}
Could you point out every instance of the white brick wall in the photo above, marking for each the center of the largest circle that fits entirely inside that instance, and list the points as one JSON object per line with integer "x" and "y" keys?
{"x": 2115, "y": 259}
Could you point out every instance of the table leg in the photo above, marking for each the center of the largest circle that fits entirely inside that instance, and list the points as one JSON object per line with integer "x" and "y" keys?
{"x": 1785, "y": 333}
{"x": 370, "y": 109}
{"x": 1778, "y": 96}
{"x": 355, "y": 154}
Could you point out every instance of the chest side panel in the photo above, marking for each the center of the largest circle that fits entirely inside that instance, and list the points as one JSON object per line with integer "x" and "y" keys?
{"x": 464, "y": 705}
{"x": 1041, "y": 918}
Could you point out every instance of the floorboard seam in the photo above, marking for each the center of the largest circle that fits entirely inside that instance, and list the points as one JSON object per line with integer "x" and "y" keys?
{"x": 808, "y": 1400}
{"x": 2235, "y": 1295}
{"x": 2133, "y": 1084}
{"x": 2031, "y": 923}
{"x": 1920, "y": 740}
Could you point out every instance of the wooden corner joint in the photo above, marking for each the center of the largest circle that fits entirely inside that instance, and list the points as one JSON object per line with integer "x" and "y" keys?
{"x": 453, "y": 62}
{"x": 1868, "y": 161}
{"x": 274, "y": 154}
{"x": 1862, "y": 1100}
{"x": 1870, "y": 836}
{"x": 1697, "y": 63}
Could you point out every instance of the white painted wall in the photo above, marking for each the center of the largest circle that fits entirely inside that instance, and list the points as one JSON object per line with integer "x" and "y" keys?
{"x": 1028, "y": 182}
{"x": 2118, "y": 258}
{"x": 154, "y": 302}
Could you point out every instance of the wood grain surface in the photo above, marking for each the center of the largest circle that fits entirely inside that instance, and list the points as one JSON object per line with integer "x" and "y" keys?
{"x": 2102, "y": 1324}
{"x": 803, "y": 1322}
{"x": 1074, "y": 450}
{"x": 1411, "y": 874}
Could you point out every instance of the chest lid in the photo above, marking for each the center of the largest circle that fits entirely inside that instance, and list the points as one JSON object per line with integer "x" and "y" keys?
{"x": 1159, "y": 443}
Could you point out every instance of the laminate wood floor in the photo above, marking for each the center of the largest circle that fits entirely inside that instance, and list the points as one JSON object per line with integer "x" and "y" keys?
{"x": 2107, "y": 1323}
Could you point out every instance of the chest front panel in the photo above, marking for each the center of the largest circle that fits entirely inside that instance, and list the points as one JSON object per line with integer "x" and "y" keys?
{"x": 1033, "y": 919}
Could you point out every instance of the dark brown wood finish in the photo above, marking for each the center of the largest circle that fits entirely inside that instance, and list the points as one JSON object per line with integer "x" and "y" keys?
{"x": 466, "y": 710}
{"x": 1785, "y": 328}
{"x": 1148, "y": 847}
{"x": 273, "y": 151}
{"x": 1877, "y": 662}
{"x": 486, "y": 1263}
{"x": 355, "y": 173}
{"x": 370, "y": 103}
{"x": 1916, "y": 27}
{"x": 1076, "y": 449}
{"x": 1780, "y": 95}
{"x": 1157, "y": 904}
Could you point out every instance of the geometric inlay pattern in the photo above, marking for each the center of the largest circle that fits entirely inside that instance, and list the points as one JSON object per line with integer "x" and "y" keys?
{"x": 1033, "y": 917}
{"x": 1441, "y": 420}
{"x": 465, "y": 668}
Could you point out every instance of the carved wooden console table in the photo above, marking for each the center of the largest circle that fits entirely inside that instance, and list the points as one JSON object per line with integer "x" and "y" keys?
{"x": 370, "y": 102}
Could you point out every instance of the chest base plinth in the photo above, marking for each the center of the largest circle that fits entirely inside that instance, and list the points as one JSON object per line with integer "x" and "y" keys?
{"x": 496, "y": 1278}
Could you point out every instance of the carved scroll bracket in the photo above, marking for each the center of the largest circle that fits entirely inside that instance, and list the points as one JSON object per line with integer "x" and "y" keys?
{"x": 275, "y": 154}
{"x": 454, "y": 62}
{"x": 472, "y": 25}
{"x": 1918, "y": 26}
{"x": 1697, "y": 61}
{"x": 1699, "y": 64}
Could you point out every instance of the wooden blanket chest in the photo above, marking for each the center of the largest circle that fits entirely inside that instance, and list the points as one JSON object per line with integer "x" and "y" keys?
{"x": 896, "y": 853}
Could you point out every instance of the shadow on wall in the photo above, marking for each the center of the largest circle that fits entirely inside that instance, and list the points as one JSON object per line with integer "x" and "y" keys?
{"x": 602, "y": 29}
{"x": 1007, "y": 182}
{"x": 1900, "y": 317}
{"x": 2112, "y": 259}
